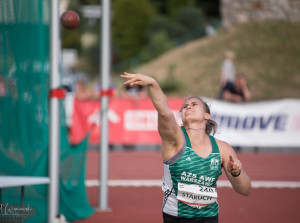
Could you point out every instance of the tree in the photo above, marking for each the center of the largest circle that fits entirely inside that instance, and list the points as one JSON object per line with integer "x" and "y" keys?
{"x": 131, "y": 20}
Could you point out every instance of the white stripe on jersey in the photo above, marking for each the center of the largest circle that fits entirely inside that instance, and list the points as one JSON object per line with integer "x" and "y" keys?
{"x": 170, "y": 202}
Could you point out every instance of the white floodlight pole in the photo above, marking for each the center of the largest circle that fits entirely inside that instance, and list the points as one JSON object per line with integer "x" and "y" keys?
{"x": 105, "y": 82}
{"x": 54, "y": 133}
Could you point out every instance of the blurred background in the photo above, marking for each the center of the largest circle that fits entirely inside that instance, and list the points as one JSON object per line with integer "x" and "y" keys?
{"x": 187, "y": 39}
{"x": 182, "y": 43}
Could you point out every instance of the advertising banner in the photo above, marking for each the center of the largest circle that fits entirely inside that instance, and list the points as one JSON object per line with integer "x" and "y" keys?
{"x": 130, "y": 121}
{"x": 261, "y": 124}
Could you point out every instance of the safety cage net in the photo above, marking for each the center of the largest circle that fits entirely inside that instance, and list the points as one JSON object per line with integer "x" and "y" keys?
{"x": 24, "y": 116}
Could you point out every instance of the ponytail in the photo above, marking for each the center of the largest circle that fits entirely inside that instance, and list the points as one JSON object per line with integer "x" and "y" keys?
{"x": 211, "y": 127}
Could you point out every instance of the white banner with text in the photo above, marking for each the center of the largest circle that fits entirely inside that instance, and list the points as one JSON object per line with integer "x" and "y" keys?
{"x": 262, "y": 124}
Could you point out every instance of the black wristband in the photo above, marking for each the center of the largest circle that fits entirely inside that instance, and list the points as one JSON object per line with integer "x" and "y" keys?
{"x": 236, "y": 175}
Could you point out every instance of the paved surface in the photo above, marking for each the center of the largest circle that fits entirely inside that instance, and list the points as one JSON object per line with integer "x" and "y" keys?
{"x": 143, "y": 204}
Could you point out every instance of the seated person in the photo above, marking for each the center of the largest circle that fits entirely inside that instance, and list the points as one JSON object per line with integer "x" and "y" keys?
{"x": 237, "y": 92}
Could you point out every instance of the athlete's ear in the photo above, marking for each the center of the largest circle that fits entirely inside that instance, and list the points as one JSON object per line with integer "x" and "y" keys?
{"x": 207, "y": 116}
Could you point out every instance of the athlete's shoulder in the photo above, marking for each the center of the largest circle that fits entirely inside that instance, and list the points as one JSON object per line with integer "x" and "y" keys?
{"x": 223, "y": 146}
{"x": 225, "y": 149}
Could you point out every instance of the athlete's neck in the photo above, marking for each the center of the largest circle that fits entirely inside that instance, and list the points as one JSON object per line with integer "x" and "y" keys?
{"x": 195, "y": 129}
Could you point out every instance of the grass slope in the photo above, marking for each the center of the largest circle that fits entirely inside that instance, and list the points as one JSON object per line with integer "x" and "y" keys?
{"x": 268, "y": 54}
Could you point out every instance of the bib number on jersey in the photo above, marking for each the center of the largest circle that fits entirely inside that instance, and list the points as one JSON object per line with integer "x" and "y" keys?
{"x": 196, "y": 196}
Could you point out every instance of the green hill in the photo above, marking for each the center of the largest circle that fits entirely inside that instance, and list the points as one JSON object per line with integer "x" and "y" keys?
{"x": 268, "y": 54}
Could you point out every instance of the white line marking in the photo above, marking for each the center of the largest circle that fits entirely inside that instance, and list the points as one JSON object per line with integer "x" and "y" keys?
{"x": 221, "y": 183}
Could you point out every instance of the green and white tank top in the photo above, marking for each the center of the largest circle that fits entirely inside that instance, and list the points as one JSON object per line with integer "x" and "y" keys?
{"x": 190, "y": 182}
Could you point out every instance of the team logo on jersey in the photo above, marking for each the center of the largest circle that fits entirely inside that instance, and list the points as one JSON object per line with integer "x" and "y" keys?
{"x": 214, "y": 164}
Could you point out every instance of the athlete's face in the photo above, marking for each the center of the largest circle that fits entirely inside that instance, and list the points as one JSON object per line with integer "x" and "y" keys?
{"x": 193, "y": 109}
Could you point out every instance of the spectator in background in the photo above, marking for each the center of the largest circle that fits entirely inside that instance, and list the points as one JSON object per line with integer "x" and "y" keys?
{"x": 237, "y": 92}
{"x": 228, "y": 70}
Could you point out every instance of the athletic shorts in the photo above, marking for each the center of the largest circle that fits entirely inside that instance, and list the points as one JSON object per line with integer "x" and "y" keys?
{"x": 172, "y": 219}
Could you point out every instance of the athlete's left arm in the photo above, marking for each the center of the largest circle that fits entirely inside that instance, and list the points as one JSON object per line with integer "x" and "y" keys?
{"x": 237, "y": 176}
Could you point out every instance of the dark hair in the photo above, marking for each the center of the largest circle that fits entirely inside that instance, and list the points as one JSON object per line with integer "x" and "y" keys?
{"x": 211, "y": 125}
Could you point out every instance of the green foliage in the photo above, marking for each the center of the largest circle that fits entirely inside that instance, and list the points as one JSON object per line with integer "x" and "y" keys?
{"x": 91, "y": 63}
{"x": 139, "y": 27}
{"x": 210, "y": 8}
{"x": 131, "y": 20}
{"x": 158, "y": 44}
{"x": 190, "y": 18}
{"x": 89, "y": 2}
{"x": 164, "y": 32}
{"x": 71, "y": 39}
{"x": 184, "y": 20}
{"x": 171, "y": 83}
{"x": 164, "y": 24}
{"x": 160, "y": 6}
{"x": 174, "y": 5}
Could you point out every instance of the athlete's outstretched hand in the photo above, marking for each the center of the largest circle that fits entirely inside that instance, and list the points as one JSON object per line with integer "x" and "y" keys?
{"x": 234, "y": 166}
{"x": 137, "y": 79}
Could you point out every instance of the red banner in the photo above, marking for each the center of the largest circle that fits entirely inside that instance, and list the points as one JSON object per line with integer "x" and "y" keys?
{"x": 130, "y": 121}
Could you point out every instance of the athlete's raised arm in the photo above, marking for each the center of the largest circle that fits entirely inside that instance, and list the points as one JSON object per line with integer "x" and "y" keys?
{"x": 168, "y": 128}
